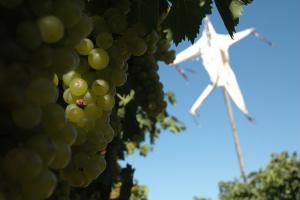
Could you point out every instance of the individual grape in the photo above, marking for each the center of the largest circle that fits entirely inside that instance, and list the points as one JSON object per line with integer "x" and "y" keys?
{"x": 92, "y": 111}
{"x": 40, "y": 187}
{"x": 89, "y": 98}
{"x": 94, "y": 167}
{"x": 51, "y": 28}
{"x": 81, "y": 136}
{"x": 68, "y": 12}
{"x": 137, "y": 46}
{"x": 83, "y": 66}
{"x": 22, "y": 164}
{"x": 62, "y": 155}
{"x": 124, "y": 6}
{"x": 100, "y": 87}
{"x": 68, "y": 97}
{"x": 84, "y": 47}
{"x": 99, "y": 25}
{"x": 98, "y": 58}
{"x": 55, "y": 80}
{"x": 44, "y": 146}
{"x": 10, "y": 3}
{"x": 79, "y": 31}
{"x": 42, "y": 57}
{"x": 69, "y": 134}
{"x": 89, "y": 76}
{"x": 74, "y": 113}
{"x": 96, "y": 137}
{"x": 28, "y": 35}
{"x": 104, "y": 40}
{"x": 28, "y": 116}
{"x": 106, "y": 102}
{"x": 40, "y": 8}
{"x": 41, "y": 91}
{"x": 68, "y": 77}
{"x": 117, "y": 23}
{"x": 78, "y": 87}
{"x": 53, "y": 119}
{"x": 118, "y": 77}
{"x": 64, "y": 60}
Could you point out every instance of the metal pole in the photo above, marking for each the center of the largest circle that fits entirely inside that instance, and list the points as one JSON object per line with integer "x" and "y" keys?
{"x": 235, "y": 135}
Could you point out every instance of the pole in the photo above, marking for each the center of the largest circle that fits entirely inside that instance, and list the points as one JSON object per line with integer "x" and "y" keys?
{"x": 235, "y": 135}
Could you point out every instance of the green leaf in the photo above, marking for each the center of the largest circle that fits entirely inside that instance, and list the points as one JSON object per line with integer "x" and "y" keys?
{"x": 171, "y": 98}
{"x": 230, "y": 11}
{"x": 185, "y": 17}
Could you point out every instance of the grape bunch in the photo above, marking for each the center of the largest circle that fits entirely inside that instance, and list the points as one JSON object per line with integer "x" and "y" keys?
{"x": 144, "y": 78}
{"x": 60, "y": 64}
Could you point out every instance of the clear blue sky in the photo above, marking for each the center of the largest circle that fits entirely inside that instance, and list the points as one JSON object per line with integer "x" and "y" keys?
{"x": 193, "y": 162}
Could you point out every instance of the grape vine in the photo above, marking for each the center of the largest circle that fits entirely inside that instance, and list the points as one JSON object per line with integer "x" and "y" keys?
{"x": 80, "y": 90}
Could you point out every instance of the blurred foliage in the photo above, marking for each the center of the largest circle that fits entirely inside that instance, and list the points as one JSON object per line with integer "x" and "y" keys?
{"x": 280, "y": 180}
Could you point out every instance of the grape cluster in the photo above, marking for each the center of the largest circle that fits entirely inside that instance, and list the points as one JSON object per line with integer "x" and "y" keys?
{"x": 59, "y": 69}
{"x": 144, "y": 78}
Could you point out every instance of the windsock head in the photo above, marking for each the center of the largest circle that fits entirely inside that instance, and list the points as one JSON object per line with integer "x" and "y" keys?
{"x": 208, "y": 27}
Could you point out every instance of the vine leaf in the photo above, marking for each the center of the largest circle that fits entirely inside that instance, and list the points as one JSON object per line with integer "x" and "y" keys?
{"x": 185, "y": 17}
{"x": 230, "y": 11}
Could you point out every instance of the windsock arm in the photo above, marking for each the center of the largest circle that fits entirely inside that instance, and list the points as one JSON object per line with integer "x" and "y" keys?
{"x": 207, "y": 91}
{"x": 239, "y": 36}
{"x": 191, "y": 52}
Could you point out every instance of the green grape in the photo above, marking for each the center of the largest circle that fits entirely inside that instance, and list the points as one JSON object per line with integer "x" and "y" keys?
{"x": 21, "y": 164}
{"x": 89, "y": 76}
{"x": 106, "y": 102}
{"x": 83, "y": 66}
{"x": 99, "y": 25}
{"x": 40, "y": 8}
{"x": 40, "y": 187}
{"x": 100, "y": 87}
{"x": 10, "y": 3}
{"x": 137, "y": 46}
{"x": 64, "y": 60}
{"x": 152, "y": 38}
{"x": 84, "y": 47}
{"x": 28, "y": 35}
{"x": 42, "y": 57}
{"x": 96, "y": 137}
{"x": 75, "y": 179}
{"x": 81, "y": 136}
{"x": 51, "y": 28}
{"x": 68, "y": 77}
{"x": 55, "y": 80}
{"x": 28, "y": 116}
{"x": 69, "y": 134}
{"x": 62, "y": 155}
{"x": 98, "y": 58}
{"x": 92, "y": 111}
{"x": 41, "y": 91}
{"x": 78, "y": 87}
{"x": 54, "y": 119}
{"x": 68, "y": 12}
{"x": 124, "y": 6}
{"x": 44, "y": 146}
{"x": 104, "y": 40}
{"x": 89, "y": 98}
{"x": 140, "y": 28}
{"x": 68, "y": 97}
{"x": 108, "y": 131}
{"x": 74, "y": 113}
{"x": 94, "y": 167}
{"x": 118, "y": 77}
{"x": 117, "y": 23}
{"x": 79, "y": 31}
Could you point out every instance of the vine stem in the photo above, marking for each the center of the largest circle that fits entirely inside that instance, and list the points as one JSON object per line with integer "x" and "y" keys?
{"x": 235, "y": 135}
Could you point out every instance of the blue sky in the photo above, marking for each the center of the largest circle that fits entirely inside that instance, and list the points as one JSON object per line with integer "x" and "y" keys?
{"x": 193, "y": 162}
